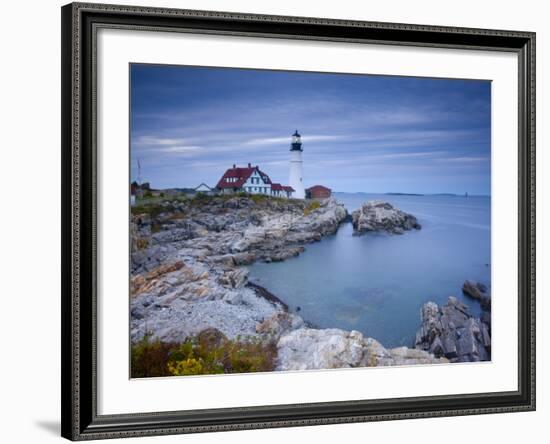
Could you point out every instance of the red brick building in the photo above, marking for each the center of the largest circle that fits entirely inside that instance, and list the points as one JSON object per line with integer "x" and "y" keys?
{"x": 318, "y": 192}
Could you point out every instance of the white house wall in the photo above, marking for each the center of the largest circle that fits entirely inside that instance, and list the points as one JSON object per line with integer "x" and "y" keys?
{"x": 256, "y": 185}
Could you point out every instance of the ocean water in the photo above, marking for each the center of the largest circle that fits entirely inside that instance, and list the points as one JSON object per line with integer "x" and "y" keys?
{"x": 377, "y": 283}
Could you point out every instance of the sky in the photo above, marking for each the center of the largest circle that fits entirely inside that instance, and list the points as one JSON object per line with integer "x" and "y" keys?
{"x": 360, "y": 133}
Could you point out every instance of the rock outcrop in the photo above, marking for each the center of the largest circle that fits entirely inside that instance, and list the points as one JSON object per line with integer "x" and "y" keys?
{"x": 377, "y": 215}
{"x": 307, "y": 348}
{"x": 189, "y": 298}
{"x": 187, "y": 259}
{"x": 235, "y": 231}
{"x": 451, "y": 331}
{"x": 479, "y": 292}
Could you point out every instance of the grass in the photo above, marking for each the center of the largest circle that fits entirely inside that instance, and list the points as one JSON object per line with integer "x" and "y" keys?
{"x": 210, "y": 352}
{"x": 155, "y": 228}
{"x": 149, "y": 359}
{"x": 311, "y": 207}
{"x": 142, "y": 244}
{"x": 178, "y": 215}
{"x": 152, "y": 209}
{"x": 149, "y": 200}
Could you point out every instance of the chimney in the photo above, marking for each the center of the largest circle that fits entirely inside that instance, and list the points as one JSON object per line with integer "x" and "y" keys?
{"x": 234, "y": 166}
{"x": 249, "y": 166}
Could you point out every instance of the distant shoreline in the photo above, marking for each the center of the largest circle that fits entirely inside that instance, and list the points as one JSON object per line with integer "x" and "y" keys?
{"x": 390, "y": 193}
{"x": 412, "y": 194}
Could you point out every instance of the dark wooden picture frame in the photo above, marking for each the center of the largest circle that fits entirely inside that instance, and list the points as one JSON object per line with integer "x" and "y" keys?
{"x": 79, "y": 208}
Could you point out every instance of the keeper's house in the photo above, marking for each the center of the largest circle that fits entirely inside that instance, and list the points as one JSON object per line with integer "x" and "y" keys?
{"x": 251, "y": 180}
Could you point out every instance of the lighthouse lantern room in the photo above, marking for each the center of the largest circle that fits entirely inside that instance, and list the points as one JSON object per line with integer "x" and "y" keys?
{"x": 295, "y": 177}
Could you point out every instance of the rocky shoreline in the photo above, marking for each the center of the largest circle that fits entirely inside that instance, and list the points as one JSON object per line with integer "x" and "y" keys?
{"x": 187, "y": 270}
{"x": 188, "y": 275}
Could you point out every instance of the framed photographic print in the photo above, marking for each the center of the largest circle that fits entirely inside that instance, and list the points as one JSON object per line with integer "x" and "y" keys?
{"x": 280, "y": 221}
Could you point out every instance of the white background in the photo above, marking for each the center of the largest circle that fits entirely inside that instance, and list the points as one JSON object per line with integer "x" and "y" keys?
{"x": 30, "y": 222}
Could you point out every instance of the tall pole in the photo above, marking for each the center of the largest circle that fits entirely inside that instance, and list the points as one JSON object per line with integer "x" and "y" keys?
{"x": 139, "y": 191}
{"x": 139, "y": 172}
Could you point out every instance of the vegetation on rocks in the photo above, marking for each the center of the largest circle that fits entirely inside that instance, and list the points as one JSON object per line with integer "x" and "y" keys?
{"x": 210, "y": 352}
{"x": 312, "y": 207}
{"x": 151, "y": 209}
{"x": 150, "y": 358}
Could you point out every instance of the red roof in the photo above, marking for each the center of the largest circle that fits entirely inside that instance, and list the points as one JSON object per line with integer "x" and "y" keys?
{"x": 242, "y": 175}
{"x": 318, "y": 188}
{"x": 279, "y": 187}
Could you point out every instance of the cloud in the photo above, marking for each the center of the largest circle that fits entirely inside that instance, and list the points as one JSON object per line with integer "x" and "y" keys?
{"x": 157, "y": 141}
{"x": 412, "y": 155}
{"x": 420, "y": 131}
{"x": 466, "y": 159}
{"x": 181, "y": 149}
{"x": 286, "y": 139}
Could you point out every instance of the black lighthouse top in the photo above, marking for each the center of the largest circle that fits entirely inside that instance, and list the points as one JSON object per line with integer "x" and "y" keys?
{"x": 296, "y": 144}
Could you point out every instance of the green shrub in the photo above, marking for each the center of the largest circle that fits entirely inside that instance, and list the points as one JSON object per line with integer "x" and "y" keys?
{"x": 152, "y": 210}
{"x": 257, "y": 198}
{"x": 210, "y": 352}
{"x": 176, "y": 215}
{"x": 142, "y": 243}
{"x": 201, "y": 196}
{"x": 149, "y": 358}
{"x": 155, "y": 228}
{"x": 311, "y": 207}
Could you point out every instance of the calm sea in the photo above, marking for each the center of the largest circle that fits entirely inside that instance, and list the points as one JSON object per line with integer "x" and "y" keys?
{"x": 377, "y": 283}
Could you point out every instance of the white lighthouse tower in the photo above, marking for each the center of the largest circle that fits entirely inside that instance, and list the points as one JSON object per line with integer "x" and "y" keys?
{"x": 295, "y": 178}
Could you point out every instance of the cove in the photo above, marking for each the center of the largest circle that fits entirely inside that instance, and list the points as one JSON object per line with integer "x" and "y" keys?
{"x": 377, "y": 283}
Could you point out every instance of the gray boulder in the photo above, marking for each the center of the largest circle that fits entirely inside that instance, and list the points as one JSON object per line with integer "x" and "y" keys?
{"x": 451, "y": 331}
{"x": 479, "y": 292}
{"x": 308, "y": 348}
{"x": 377, "y": 215}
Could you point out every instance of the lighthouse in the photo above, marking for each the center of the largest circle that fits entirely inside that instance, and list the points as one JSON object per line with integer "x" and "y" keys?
{"x": 295, "y": 176}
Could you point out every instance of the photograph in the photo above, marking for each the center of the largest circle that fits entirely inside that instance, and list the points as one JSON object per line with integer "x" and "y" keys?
{"x": 294, "y": 221}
